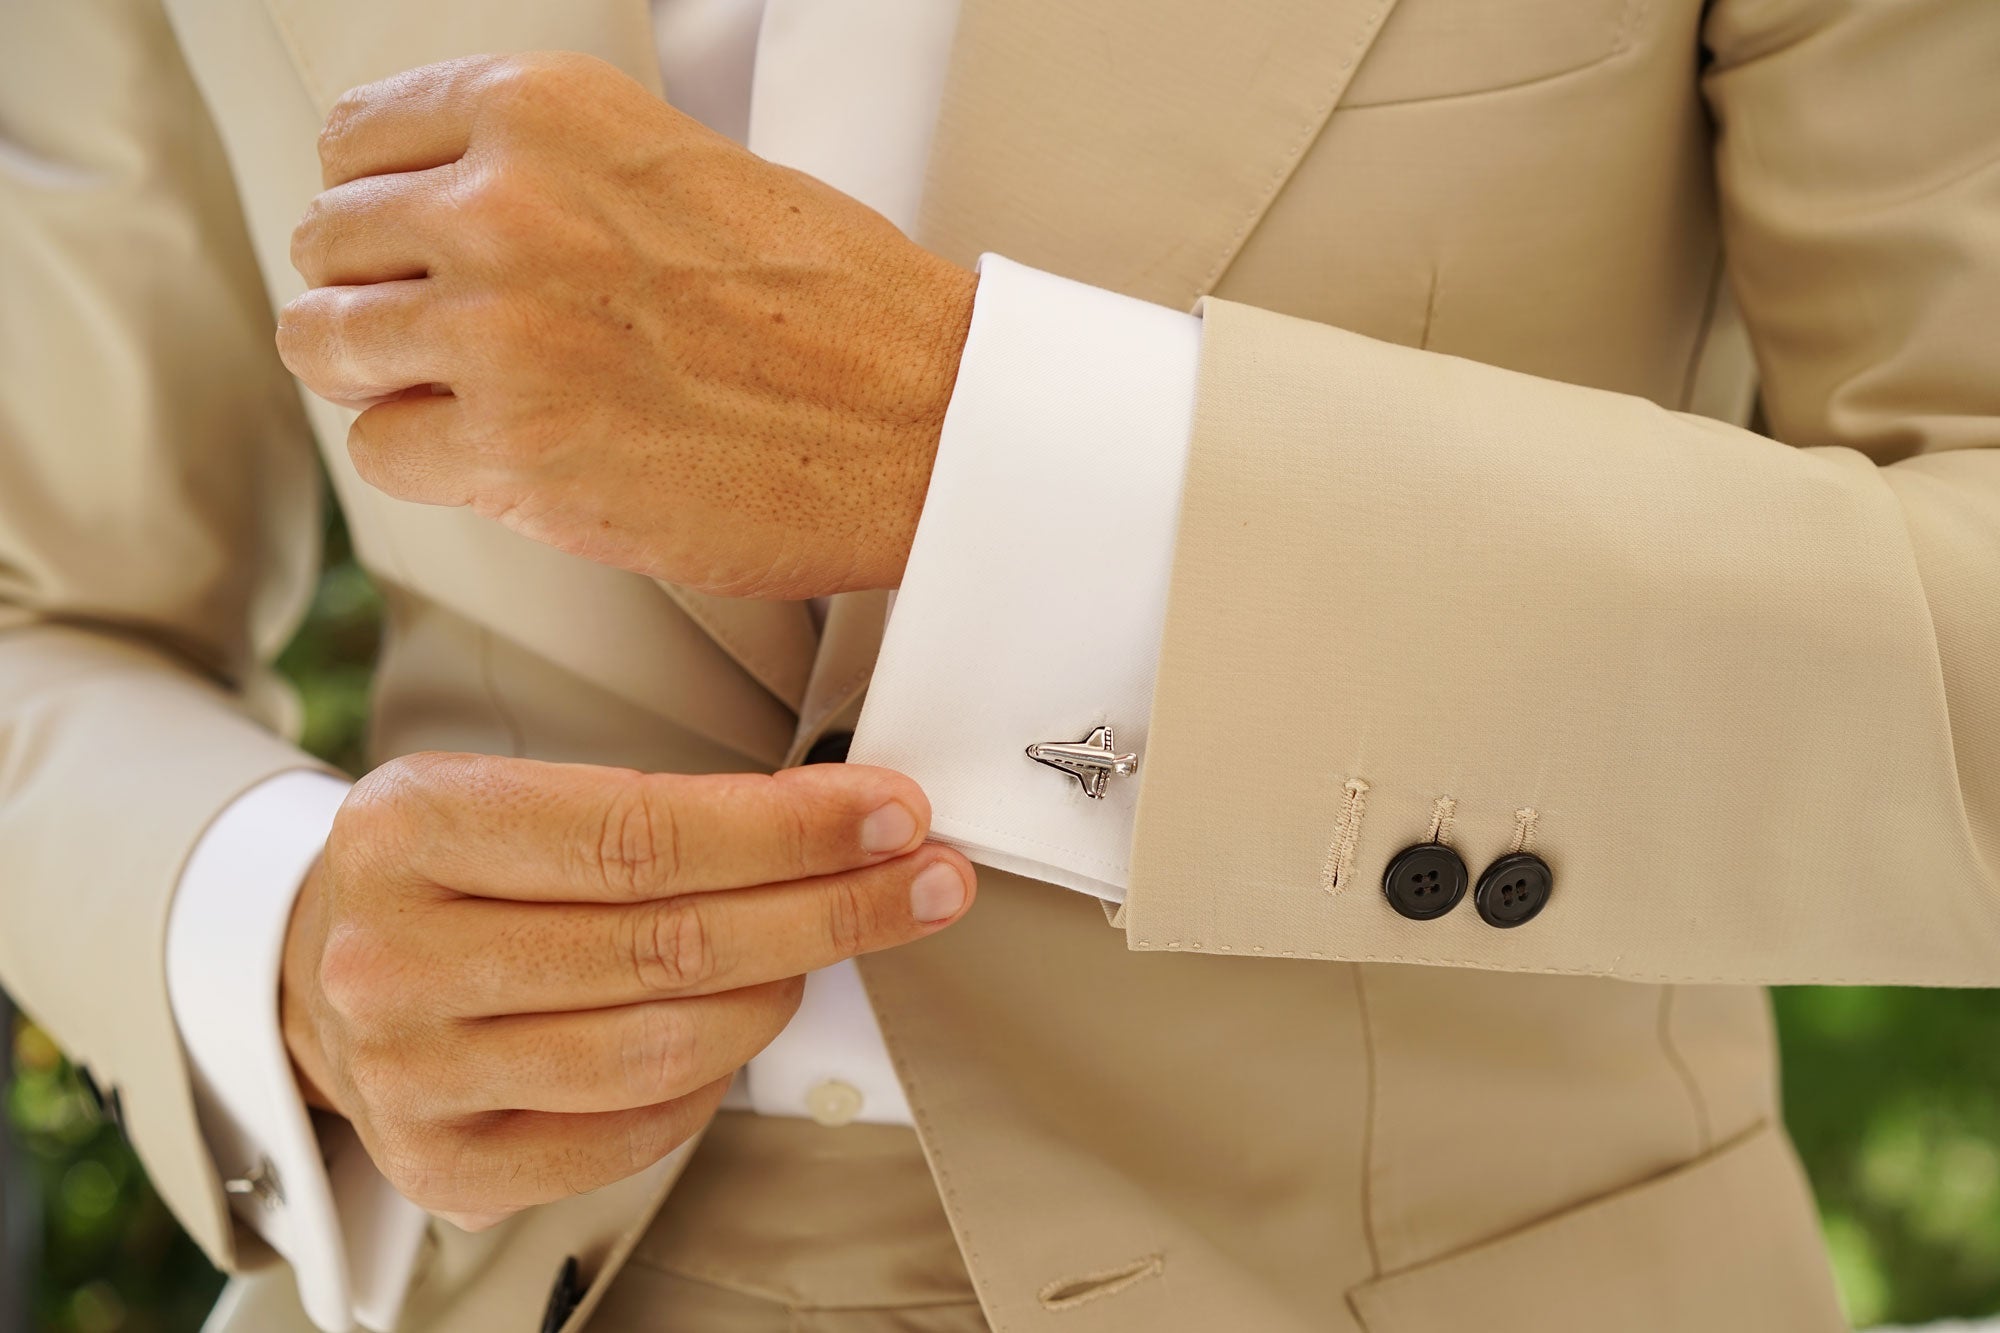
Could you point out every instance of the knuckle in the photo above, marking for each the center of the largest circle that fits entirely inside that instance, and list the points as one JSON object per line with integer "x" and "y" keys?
{"x": 422, "y": 1163}
{"x": 345, "y": 123}
{"x": 645, "y": 1144}
{"x": 425, "y": 769}
{"x": 638, "y": 849}
{"x": 309, "y": 237}
{"x": 798, "y": 832}
{"x": 517, "y": 87}
{"x": 335, "y": 131}
{"x": 675, "y": 950}
{"x": 531, "y": 81}
{"x": 637, "y": 1147}
{"x": 488, "y": 191}
{"x": 297, "y": 322}
{"x": 578, "y": 1167}
{"x": 499, "y": 204}
{"x": 312, "y": 332}
{"x": 356, "y": 975}
{"x": 506, "y": 78}
{"x": 848, "y": 917}
{"x": 658, "y": 1055}
{"x": 377, "y": 1080}
{"x": 399, "y": 1158}
{"x": 372, "y": 463}
{"x": 466, "y": 1168}
{"x": 379, "y": 803}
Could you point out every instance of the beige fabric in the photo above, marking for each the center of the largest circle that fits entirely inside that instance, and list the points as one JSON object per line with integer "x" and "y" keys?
{"x": 1746, "y": 690}
{"x": 782, "y": 1226}
{"x": 645, "y": 1300}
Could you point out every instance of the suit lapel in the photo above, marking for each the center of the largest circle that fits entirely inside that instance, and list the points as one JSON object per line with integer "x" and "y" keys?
{"x": 1132, "y": 144}
{"x": 773, "y": 641}
{"x": 848, "y": 646}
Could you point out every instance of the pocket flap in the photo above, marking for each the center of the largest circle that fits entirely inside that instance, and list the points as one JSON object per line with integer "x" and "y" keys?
{"x": 1726, "y": 1244}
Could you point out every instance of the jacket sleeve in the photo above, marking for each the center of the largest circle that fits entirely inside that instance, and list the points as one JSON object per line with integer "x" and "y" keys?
{"x": 1741, "y": 694}
{"x": 158, "y": 537}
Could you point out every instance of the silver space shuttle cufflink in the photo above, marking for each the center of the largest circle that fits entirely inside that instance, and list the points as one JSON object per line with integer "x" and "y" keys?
{"x": 1092, "y": 761}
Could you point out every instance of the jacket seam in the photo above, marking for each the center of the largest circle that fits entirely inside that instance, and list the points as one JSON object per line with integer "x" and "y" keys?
{"x": 1491, "y": 965}
{"x": 1711, "y": 304}
{"x": 1314, "y": 126}
{"x": 1623, "y": 35}
{"x": 762, "y": 668}
{"x": 887, "y": 1016}
{"x": 1704, "y": 1131}
{"x": 1371, "y": 1082}
{"x": 309, "y": 77}
{"x": 1576, "y": 1207}
{"x": 707, "y": 1276}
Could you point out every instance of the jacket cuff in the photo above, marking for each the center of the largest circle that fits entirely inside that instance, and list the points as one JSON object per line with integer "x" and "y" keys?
{"x": 122, "y": 758}
{"x": 1420, "y": 600}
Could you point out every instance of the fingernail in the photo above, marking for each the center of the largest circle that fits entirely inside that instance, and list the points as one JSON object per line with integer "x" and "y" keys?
{"x": 889, "y": 829}
{"x": 937, "y": 892}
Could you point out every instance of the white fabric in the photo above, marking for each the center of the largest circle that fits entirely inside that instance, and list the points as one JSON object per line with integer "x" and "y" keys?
{"x": 1062, "y": 456}
{"x": 832, "y": 1038}
{"x": 225, "y": 942}
{"x": 1036, "y": 592}
{"x": 849, "y": 90}
{"x": 707, "y": 50}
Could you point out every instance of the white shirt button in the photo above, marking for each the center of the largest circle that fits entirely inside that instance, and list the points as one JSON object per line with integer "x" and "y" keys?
{"x": 832, "y": 1102}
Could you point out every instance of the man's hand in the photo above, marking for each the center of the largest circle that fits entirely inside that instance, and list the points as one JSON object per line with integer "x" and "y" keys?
{"x": 578, "y": 311}
{"x": 522, "y": 980}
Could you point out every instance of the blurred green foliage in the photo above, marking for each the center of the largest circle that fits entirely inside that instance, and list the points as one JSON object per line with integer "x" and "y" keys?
{"x": 1892, "y": 1095}
{"x": 112, "y": 1258}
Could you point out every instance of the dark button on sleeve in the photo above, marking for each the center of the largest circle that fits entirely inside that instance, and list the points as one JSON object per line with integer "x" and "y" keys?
{"x": 1513, "y": 889}
{"x": 1425, "y": 881}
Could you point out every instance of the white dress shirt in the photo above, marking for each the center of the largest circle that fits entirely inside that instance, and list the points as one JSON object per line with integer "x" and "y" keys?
{"x": 1031, "y": 610}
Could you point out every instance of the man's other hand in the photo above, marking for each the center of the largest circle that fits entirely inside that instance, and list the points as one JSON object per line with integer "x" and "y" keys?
{"x": 523, "y": 980}
{"x": 571, "y": 307}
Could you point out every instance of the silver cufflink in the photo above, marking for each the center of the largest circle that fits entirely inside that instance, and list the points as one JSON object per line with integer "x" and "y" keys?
{"x": 260, "y": 1182}
{"x": 1092, "y": 761}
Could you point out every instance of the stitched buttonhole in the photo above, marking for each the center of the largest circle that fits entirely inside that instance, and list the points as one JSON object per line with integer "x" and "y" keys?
{"x": 1068, "y": 1293}
{"x": 1338, "y": 868}
{"x": 1443, "y": 815}
{"x": 1525, "y": 821}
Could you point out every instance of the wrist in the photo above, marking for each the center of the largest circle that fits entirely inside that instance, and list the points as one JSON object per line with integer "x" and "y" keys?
{"x": 940, "y": 343}
{"x": 297, "y": 988}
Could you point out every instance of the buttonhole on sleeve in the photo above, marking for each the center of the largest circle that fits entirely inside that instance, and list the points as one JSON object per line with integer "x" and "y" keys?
{"x": 1068, "y": 1293}
{"x": 1339, "y": 867}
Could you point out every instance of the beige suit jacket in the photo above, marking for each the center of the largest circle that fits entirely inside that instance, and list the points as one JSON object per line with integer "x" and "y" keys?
{"x": 1455, "y": 543}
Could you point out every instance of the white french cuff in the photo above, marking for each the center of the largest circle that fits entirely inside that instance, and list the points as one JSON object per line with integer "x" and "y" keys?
{"x": 351, "y": 1240}
{"x": 1036, "y": 593}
